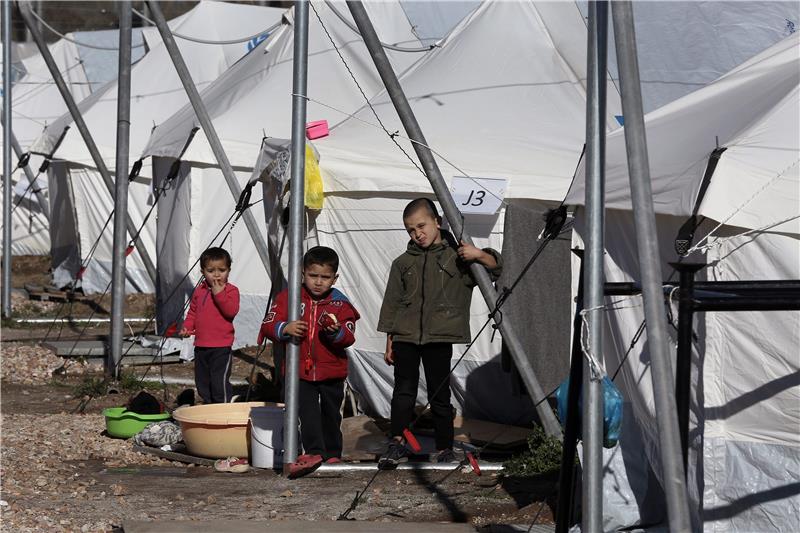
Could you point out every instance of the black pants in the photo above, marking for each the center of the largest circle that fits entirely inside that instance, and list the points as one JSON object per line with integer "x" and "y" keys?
{"x": 435, "y": 359}
{"x": 212, "y": 374}
{"x": 320, "y": 413}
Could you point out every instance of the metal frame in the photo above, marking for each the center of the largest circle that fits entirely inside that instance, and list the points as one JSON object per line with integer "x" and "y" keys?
{"x": 7, "y": 192}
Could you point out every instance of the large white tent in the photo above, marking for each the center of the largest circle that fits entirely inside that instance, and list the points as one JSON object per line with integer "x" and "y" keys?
{"x": 251, "y": 100}
{"x": 744, "y": 444}
{"x": 156, "y": 93}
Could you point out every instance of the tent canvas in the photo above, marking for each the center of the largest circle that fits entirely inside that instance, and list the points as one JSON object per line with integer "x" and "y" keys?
{"x": 744, "y": 411}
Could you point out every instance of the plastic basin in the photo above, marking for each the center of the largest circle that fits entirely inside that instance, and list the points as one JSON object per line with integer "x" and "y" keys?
{"x": 125, "y": 424}
{"x": 216, "y": 430}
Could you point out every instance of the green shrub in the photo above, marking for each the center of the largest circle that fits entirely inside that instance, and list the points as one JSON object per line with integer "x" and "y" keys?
{"x": 543, "y": 455}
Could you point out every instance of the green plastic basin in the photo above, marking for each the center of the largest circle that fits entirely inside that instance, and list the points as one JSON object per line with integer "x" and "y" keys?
{"x": 125, "y": 424}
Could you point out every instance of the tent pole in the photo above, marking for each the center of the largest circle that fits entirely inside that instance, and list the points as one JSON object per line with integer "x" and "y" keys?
{"x": 296, "y": 224}
{"x": 592, "y": 504}
{"x": 647, "y": 244}
{"x": 6, "y": 290}
{"x": 121, "y": 189}
{"x": 30, "y": 22}
{"x": 208, "y": 128}
{"x": 548, "y": 420}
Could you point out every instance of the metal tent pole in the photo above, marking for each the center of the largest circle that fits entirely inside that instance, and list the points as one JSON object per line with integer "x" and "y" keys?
{"x": 30, "y": 22}
{"x": 296, "y": 223}
{"x": 592, "y": 502}
{"x": 7, "y": 192}
{"x": 43, "y": 203}
{"x": 208, "y": 128}
{"x": 647, "y": 244}
{"x": 121, "y": 189}
{"x": 548, "y": 419}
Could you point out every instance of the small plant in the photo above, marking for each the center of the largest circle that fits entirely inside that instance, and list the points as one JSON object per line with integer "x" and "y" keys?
{"x": 543, "y": 455}
{"x": 90, "y": 386}
{"x": 129, "y": 381}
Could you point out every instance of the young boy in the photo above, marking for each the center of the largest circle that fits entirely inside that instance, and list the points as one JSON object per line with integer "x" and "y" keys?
{"x": 214, "y": 305}
{"x": 327, "y": 326}
{"x": 425, "y": 311}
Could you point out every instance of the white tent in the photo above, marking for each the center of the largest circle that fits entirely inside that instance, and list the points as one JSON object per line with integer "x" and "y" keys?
{"x": 511, "y": 109}
{"x": 744, "y": 444}
{"x": 156, "y": 92}
{"x": 252, "y": 99}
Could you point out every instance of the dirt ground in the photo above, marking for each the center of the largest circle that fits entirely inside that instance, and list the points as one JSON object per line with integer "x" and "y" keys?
{"x": 60, "y": 472}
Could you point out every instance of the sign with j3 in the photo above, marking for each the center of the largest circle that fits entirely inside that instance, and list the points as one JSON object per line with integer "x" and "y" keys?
{"x": 478, "y": 196}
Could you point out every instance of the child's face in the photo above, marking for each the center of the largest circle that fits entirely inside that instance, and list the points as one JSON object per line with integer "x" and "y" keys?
{"x": 318, "y": 279}
{"x": 216, "y": 270}
{"x": 423, "y": 228}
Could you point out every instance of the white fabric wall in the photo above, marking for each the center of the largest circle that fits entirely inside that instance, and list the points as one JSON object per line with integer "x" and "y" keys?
{"x": 746, "y": 395}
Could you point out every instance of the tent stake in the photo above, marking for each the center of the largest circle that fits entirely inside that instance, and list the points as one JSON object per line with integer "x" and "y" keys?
{"x": 208, "y": 128}
{"x": 413, "y": 130}
{"x": 6, "y": 290}
{"x": 649, "y": 256}
{"x": 592, "y": 503}
{"x": 30, "y": 22}
{"x": 296, "y": 223}
{"x": 121, "y": 187}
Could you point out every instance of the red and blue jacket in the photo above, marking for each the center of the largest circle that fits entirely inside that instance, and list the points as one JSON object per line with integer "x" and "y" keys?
{"x": 322, "y": 354}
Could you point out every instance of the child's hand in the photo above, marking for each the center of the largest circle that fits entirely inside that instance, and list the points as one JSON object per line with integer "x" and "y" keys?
{"x": 329, "y": 323}
{"x": 388, "y": 356}
{"x": 297, "y": 328}
{"x": 216, "y": 285}
{"x": 468, "y": 252}
{"x": 185, "y": 333}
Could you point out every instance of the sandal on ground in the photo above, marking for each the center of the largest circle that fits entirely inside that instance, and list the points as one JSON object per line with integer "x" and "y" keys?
{"x": 231, "y": 464}
{"x": 304, "y": 465}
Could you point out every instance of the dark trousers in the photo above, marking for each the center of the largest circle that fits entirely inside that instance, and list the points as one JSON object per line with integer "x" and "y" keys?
{"x": 435, "y": 359}
{"x": 212, "y": 374}
{"x": 320, "y": 413}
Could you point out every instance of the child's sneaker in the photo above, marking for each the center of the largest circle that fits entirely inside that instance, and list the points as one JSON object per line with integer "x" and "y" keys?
{"x": 231, "y": 464}
{"x": 304, "y": 465}
{"x": 396, "y": 453}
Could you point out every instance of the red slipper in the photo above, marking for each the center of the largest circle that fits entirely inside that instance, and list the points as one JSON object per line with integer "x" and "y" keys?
{"x": 304, "y": 465}
{"x": 333, "y": 460}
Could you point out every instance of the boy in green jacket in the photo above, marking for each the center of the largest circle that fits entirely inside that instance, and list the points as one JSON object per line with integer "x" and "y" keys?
{"x": 425, "y": 311}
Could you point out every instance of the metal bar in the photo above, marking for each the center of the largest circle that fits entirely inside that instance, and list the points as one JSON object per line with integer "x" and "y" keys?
{"x": 370, "y": 467}
{"x": 746, "y": 304}
{"x": 43, "y": 203}
{"x": 7, "y": 192}
{"x": 647, "y": 244}
{"x": 30, "y": 22}
{"x": 77, "y": 320}
{"x": 414, "y": 132}
{"x": 566, "y": 476}
{"x": 121, "y": 189}
{"x": 296, "y": 225}
{"x": 208, "y": 128}
{"x": 592, "y": 502}
{"x": 775, "y": 286}
{"x": 683, "y": 361}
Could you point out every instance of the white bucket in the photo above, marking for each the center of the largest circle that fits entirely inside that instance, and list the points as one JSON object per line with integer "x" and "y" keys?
{"x": 266, "y": 436}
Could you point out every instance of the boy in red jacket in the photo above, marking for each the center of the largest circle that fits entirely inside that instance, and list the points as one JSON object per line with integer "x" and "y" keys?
{"x": 327, "y": 326}
{"x": 214, "y": 305}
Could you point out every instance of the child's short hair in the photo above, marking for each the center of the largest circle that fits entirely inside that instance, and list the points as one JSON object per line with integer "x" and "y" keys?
{"x": 321, "y": 255}
{"x": 422, "y": 204}
{"x": 215, "y": 254}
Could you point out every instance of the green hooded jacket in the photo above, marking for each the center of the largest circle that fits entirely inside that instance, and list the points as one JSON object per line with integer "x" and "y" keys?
{"x": 428, "y": 295}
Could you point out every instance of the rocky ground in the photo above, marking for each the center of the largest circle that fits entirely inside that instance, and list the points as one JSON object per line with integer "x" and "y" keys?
{"x": 60, "y": 472}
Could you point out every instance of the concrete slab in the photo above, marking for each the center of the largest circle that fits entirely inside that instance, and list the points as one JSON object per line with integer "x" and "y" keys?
{"x": 136, "y": 353}
{"x": 291, "y": 526}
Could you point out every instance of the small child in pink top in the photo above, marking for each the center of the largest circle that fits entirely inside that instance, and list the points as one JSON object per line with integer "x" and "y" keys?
{"x": 214, "y": 305}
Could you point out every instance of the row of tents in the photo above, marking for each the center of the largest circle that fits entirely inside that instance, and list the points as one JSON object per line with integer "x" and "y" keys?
{"x": 501, "y": 95}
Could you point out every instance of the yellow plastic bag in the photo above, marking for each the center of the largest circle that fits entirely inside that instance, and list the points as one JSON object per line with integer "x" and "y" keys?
{"x": 313, "y": 191}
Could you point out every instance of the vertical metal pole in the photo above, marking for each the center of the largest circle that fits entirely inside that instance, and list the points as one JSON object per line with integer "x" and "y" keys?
{"x": 7, "y": 192}
{"x": 647, "y": 244}
{"x": 30, "y": 22}
{"x": 121, "y": 189}
{"x": 592, "y": 503}
{"x": 566, "y": 476}
{"x": 410, "y": 124}
{"x": 683, "y": 361}
{"x": 296, "y": 223}
{"x": 208, "y": 129}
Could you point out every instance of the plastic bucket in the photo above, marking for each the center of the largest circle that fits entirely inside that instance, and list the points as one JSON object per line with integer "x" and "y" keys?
{"x": 266, "y": 436}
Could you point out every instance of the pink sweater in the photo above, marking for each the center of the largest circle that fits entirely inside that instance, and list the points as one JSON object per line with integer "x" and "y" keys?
{"x": 210, "y": 317}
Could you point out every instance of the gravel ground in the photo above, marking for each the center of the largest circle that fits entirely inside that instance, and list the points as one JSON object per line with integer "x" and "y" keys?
{"x": 34, "y": 365}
